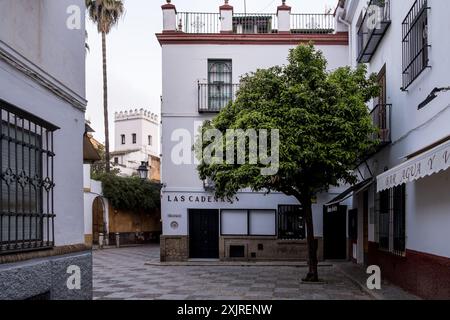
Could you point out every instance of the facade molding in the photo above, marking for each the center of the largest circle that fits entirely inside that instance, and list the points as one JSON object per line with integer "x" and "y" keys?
{"x": 180, "y": 38}
{"x": 41, "y": 77}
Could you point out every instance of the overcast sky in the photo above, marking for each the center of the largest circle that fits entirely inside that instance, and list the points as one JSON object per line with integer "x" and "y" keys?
{"x": 134, "y": 54}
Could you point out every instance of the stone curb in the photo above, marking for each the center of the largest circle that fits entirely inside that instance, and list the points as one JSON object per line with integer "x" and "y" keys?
{"x": 360, "y": 285}
{"x": 231, "y": 264}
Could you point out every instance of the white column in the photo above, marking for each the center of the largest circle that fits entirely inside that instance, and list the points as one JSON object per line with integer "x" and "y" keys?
{"x": 226, "y": 18}
{"x": 169, "y": 17}
{"x": 284, "y": 18}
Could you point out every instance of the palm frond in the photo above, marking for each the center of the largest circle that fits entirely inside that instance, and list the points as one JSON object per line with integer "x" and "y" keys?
{"x": 105, "y": 13}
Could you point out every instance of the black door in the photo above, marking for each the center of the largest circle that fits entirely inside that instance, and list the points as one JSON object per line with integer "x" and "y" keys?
{"x": 334, "y": 232}
{"x": 204, "y": 234}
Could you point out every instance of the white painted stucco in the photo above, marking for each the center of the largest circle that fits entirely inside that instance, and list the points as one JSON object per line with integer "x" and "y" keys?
{"x": 34, "y": 34}
{"x": 183, "y": 67}
{"x": 92, "y": 190}
{"x": 427, "y": 208}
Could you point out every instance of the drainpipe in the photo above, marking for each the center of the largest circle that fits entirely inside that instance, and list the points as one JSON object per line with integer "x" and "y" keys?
{"x": 350, "y": 37}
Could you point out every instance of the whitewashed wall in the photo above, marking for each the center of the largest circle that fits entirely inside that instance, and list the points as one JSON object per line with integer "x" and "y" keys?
{"x": 34, "y": 33}
{"x": 37, "y": 29}
{"x": 414, "y": 129}
{"x": 183, "y": 67}
{"x": 142, "y": 127}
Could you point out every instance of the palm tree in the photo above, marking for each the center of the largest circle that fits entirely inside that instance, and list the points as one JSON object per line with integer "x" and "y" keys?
{"x": 105, "y": 14}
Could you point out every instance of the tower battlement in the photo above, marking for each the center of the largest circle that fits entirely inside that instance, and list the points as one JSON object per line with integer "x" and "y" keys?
{"x": 136, "y": 114}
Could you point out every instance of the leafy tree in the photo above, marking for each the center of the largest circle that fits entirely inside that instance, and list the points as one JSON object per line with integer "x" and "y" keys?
{"x": 324, "y": 129}
{"x": 105, "y": 14}
{"x": 131, "y": 193}
{"x": 98, "y": 168}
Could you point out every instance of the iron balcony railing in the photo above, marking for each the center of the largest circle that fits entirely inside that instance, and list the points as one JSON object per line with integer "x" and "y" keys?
{"x": 374, "y": 26}
{"x": 313, "y": 23}
{"x": 381, "y": 117}
{"x": 198, "y": 22}
{"x": 212, "y": 97}
{"x": 254, "y": 23}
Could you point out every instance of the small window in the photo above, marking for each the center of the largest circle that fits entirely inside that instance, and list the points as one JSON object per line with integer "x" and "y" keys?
{"x": 234, "y": 222}
{"x": 26, "y": 181}
{"x": 391, "y": 220}
{"x": 122, "y": 138}
{"x": 220, "y": 86}
{"x": 150, "y": 140}
{"x": 116, "y": 160}
{"x": 134, "y": 138}
{"x": 248, "y": 222}
{"x": 262, "y": 222}
{"x": 237, "y": 251}
{"x": 415, "y": 42}
{"x": 291, "y": 223}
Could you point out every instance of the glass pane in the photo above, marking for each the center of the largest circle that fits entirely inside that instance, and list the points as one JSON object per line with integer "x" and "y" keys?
{"x": 234, "y": 222}
{"x": 262, "y": 223}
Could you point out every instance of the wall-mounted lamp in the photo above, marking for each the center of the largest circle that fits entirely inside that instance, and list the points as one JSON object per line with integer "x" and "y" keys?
{"x": 432, "y": 96}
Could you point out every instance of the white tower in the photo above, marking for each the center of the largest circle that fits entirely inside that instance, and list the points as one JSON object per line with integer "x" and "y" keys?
{"x": 137, "y": 129}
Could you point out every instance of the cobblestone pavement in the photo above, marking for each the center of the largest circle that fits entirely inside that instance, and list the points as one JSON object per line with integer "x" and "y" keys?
{"x": 121, "y": 274}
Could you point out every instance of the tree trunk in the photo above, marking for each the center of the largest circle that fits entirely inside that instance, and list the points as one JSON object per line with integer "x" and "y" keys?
{"x": 105, "y": 104}
{"x": 312, "y": 275}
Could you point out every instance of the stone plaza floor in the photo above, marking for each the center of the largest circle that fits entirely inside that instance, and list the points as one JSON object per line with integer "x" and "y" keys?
{"x": 122, "y": 274}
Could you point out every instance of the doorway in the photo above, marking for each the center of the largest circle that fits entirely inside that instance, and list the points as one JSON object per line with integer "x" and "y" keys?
{"x": 98, "y": 221}
{"x": 335, "y": 232}
{"x": 204, "y": 234}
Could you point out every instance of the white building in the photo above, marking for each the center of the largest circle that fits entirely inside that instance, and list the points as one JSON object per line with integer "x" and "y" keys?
{"x": 202, "y": 63}
{"x": 401, "y": 210}
{"x": 42, "y": 104}
{"x": 136, "y": 140}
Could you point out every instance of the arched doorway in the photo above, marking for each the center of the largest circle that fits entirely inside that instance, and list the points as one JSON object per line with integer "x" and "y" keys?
{"x": 98, "y": 221}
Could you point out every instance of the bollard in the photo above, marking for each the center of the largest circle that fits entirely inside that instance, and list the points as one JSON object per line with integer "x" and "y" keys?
{"x": 100, "y": 240}
{"x": 117, "y": 240}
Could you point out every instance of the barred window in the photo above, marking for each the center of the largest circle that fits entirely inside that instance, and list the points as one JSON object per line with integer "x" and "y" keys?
{"x": 391, "y": 220}
{"x": 291, "y": 222}
{"x": 415, "y": 42}
{"x": 26, "y": 181}
{"x": 220, "y": 89}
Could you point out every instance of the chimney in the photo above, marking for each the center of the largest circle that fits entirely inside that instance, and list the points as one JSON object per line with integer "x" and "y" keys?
{"x": 284, "y": 18}
{"x": 169, "y": 17}
{"x": 226, "y": 18}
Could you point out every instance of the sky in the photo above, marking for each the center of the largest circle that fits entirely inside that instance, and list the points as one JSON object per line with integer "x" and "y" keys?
{"x": 134, "y": 54}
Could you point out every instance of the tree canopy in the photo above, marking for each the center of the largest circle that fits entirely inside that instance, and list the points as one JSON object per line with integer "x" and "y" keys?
{"x": 323, "y": 123}
{"x": 130, "y": 193}
{"x": 322, "y": 118}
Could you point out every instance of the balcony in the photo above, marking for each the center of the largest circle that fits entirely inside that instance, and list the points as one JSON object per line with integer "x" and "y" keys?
{"x": 212, "y": 97}
{"x": 381, "y": 117}
{"x": 254, "y": 23}
{"x": 374, "y": 26}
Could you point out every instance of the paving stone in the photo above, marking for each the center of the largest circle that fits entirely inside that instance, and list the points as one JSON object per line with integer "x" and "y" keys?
{"x": 121, "y": 273}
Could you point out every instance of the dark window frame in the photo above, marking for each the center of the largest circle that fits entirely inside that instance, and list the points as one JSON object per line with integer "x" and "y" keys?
{"x": 134, "y": 138}
{"x": 391, "y": 220}
{"x": 150, "y": 140}
{"x": 415, "y": 43}
{"x": 220, "y": 82}
{"x": 27, "y": 181}
{"x": 285, "y": 216}
{"x": 248, "y": 234}
{"x": 123, "y": 139}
